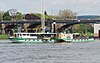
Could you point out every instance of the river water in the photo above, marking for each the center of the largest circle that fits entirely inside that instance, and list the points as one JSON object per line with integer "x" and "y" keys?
{"x": 49, "y": 52}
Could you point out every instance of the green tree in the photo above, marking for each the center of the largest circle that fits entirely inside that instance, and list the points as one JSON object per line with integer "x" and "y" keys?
{"x": 19, "y": 16}
{"x": 6, "y": 16}
{"x": 82, "y": 28}
{"x": 38, "y": 14}
{"x": 46, "y": 16}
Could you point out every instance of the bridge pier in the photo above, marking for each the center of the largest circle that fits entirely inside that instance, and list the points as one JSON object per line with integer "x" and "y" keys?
{"x": 25, "y": 27}
{"x": 97, "y": 30}
{"x": 54, "y": 27}
{"x": 3, "y": 28}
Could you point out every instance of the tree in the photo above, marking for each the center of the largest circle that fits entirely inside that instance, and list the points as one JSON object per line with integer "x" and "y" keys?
{"x": 1, "y": 15}
{"x": 38, "y": 14}
{"x": 18, "y": 16}
{"x": 6, "y": 16}
{"x": 67, "y": 14}
{"x": 82, "y": 28}
{"x": 48, "y": 17}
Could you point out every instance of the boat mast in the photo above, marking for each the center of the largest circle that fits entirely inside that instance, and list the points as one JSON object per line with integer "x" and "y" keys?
{"x": 42, "y": 16}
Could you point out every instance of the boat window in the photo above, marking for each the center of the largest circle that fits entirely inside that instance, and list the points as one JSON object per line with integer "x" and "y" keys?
{"x": 27, "y": 34}
{"x": 24, "y": 34}
{"x": 49, "y": 35}
{"x": 32, "y": 35}
{"x": 15, "y": 35}
{"x": 18, "y": 35}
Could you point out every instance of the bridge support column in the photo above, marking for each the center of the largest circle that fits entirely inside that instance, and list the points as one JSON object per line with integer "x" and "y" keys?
{"x": 97, "y": 30}
{"x": 3, "y": 28}
{"x": 50, "y": 27}
{"x": 25, "y": 27}
{"x": 54, "y": 27}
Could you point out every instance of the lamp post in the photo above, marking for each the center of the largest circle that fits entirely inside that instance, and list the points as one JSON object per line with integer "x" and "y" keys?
{"x": 42, "y": 16}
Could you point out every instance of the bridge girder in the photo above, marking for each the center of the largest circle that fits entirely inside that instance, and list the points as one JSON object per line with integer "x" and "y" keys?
{"x": 51, "y": 21}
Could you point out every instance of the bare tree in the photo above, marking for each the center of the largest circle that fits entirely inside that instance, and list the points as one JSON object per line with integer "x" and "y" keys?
{"x": 1, "y": 15}
{"x": 67, "y": 14}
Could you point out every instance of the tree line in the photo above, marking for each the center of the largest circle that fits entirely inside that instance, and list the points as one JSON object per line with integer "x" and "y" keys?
{"x": 62, "y": 14}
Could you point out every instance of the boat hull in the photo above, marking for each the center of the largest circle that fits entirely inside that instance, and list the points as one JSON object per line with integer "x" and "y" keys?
{"x": 74, "y": 40}
{"x": 31, "y": 40}
{"x": 55, "y": 40}
{"x": 78, "y": 40}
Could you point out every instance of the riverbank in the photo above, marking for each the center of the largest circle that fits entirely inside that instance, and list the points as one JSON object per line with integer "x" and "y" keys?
{"x": 3, "y": 37}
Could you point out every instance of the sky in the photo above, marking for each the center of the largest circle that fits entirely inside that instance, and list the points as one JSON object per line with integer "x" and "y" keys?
{"x": 81, "y": 7}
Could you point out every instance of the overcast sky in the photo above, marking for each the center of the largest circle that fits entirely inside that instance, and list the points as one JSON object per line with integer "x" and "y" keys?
{"x": 82, "y": 7}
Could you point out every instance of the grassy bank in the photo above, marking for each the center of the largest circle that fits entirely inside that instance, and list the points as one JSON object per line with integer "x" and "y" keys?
{"x": 3, "y": 37}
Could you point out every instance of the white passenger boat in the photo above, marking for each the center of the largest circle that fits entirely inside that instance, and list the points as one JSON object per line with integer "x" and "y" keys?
{"x": 33, "y": 37}
{"x": 47, "y": 38}
{"x": 73, "y": 38}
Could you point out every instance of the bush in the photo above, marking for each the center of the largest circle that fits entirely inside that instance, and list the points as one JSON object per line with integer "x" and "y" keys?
{"x": 3, "y": 36}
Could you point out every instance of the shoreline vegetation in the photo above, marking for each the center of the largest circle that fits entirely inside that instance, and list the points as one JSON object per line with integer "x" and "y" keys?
{"x": 3, "y": 36}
